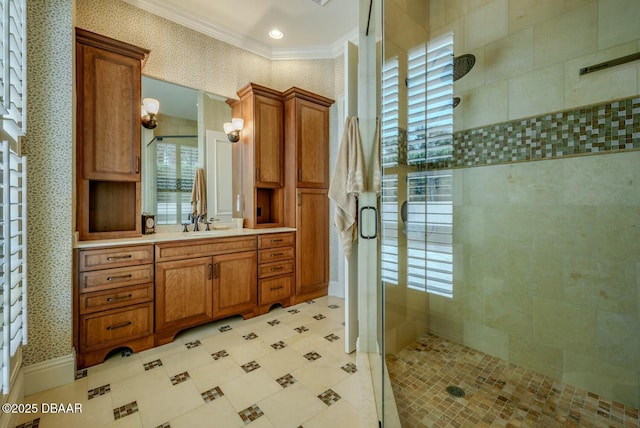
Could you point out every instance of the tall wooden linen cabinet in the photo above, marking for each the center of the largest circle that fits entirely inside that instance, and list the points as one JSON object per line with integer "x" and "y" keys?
{"x": 286, "y": 134}
{"x": 262, "y": 155}
{"x": 108, "y": 87}
{"x": 306, "y": 148}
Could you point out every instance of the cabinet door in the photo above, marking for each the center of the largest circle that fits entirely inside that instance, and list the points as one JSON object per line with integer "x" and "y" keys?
{"x": 269, "y": 141}
{"x": 312, "y": 121}
{"x": 312, "y": 262}
{"x": 184, "y": 292}
{"x": 109, "y": 111}
{"x": 235, "y": 284}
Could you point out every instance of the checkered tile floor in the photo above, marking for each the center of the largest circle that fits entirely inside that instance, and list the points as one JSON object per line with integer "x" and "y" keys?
{"x": 284, "y": 368}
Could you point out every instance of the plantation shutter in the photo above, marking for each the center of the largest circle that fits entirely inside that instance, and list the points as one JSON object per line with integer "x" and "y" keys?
{"x": 13, "y": 209}
{"x": 176, "y": 163}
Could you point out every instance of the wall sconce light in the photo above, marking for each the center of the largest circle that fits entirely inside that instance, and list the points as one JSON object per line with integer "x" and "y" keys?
{"x": 150, "y": 109}
{"x": 233, "y": 128}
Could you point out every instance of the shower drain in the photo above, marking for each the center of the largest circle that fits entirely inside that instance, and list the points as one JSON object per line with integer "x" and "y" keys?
{"x": 455, "y": 391}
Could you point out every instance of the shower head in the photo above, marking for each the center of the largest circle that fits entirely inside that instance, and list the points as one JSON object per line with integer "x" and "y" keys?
{"x": 462, "y": 65}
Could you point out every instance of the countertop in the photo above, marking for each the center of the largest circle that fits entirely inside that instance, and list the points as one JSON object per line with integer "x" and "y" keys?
{"x": 178, "y": 236}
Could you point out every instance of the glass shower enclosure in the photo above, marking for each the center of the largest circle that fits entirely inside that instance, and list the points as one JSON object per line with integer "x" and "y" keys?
{"x": 509, "y": 249}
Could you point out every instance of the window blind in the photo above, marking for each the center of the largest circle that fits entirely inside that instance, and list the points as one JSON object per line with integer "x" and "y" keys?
{"x": 430, "y": 232}
{"x": 389, "y": 133}
{"x": 176, "y": 163}
{"x": 389, "y": 230}
{"x": 430, "y": 101}
{"x": 12, "y": 67}
{"x": 13, "y": 183}
{"x": 13, "y": 274}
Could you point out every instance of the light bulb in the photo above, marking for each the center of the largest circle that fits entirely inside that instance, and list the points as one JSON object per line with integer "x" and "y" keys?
{"x": 151, "y": 105}
{"x": 237, "y": 123}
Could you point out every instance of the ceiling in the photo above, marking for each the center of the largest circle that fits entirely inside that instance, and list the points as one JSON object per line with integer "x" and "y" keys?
{"x": 310, "y": 30}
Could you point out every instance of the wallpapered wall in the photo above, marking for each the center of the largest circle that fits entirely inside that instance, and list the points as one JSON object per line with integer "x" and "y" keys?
{"x": 189, "y": 58}
{"x": 178, "y": 55}
{"x": 48, "y": 147}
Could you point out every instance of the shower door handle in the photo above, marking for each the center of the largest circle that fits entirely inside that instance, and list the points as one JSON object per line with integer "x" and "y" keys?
{"x": 368, "y": 219}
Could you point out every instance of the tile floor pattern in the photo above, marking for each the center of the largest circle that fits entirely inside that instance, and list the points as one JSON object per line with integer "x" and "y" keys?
{"x": 497, "y": 393}
{"x": 225, "y": 374}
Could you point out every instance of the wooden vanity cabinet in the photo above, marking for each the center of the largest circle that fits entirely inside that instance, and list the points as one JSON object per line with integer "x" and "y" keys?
{"x": 113, "y": 301}
{"x": 276, "y": 270}
{"x": 108, "y": 165}
{"x": 200, "y": 281}
{"x": 234, "y": 284}
{"x": 184, "y": 293}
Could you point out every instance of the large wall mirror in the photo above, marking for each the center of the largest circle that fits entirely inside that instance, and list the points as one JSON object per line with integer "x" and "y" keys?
{"x": 189, "y": 135}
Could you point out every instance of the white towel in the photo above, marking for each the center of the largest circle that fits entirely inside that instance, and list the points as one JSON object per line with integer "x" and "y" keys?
{"x": 347, "y": 182}
{"x": 199, "y": 194}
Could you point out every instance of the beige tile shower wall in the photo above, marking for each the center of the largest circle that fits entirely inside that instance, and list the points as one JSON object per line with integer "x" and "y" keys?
{"x": 546, "y": 253}
{"x": 547, "y": 269}
{"x": 529, "y": 52}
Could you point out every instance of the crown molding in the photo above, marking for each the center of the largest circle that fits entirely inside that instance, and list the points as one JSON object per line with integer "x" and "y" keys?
{"x": 196, "y": 23}
{"x": 319, "y": 52}
{"x": 228, "y": 35}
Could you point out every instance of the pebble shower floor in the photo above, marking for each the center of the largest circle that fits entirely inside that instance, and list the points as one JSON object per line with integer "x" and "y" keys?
{"x": 497, "y": 393}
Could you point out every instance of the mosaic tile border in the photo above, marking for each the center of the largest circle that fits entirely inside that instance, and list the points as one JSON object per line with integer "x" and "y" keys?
{"x": 212, "y": 394}
{"x": 250, "y": 414}
{"x": 609, "y": 127}
{"x": 126, "y": 410}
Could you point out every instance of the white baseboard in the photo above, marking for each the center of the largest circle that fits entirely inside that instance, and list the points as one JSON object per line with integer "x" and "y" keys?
{"x": 49, "y": 374}
{"x": 16, "y": 394}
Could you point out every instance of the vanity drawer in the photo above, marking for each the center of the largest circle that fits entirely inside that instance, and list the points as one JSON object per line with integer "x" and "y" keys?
{"x": 273, "y": 240}
{"x": 274, "y": 289}
{"x": 273, "y": 269}
{"x": 111, "y": 299}
{"x": 275, "y": 254}
{"x": 113, "y": 278}
{"x": 203, "y": 247}
{"x": 104, "y": 258}
{"x": 105, "y": 329}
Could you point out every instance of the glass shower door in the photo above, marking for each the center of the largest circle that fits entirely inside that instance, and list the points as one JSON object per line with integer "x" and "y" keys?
{"x": 416, "y": 202}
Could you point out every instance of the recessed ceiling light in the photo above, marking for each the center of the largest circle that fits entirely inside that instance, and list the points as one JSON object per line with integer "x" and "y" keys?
{"x": 275, "y": 34}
